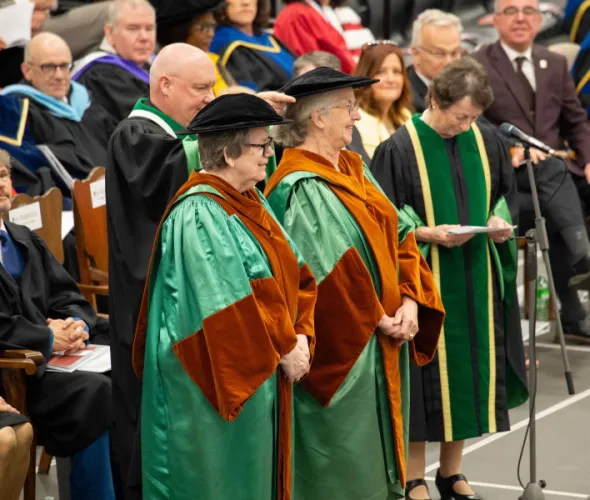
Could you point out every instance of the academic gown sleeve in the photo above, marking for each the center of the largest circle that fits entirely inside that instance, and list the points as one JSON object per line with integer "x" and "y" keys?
{"x": 214, "y": 301}
{"x": 115, "y": 89}
{"x": 17, "y": 332}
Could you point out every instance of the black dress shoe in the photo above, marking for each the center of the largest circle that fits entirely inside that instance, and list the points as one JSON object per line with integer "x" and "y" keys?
{"x": 580, "y": 274}
{"x": 579, "y": 330}
{"x": 445, "y": 488}
{"x": 414, "y": 483}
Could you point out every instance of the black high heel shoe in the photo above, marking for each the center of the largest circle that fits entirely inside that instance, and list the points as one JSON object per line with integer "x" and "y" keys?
{"x": 414, "y": 483}
{"x": 445, "y": 488}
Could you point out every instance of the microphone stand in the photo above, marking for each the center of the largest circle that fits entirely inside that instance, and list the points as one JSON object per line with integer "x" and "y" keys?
{"x": 534, "y": 489}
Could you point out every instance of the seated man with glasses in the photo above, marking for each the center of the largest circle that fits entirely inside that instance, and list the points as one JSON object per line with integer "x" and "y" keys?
{"x": 116, "y": 78}
{"x": 436, "y": 41}
{"x": 61, "y": 115}
{"x": 534, "y": 91}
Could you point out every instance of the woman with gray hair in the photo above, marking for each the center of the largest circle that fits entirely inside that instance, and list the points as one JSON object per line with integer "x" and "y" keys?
{"x": 443, "y": 171}
{"x": 374, "y": 288}
{"x": 226, "y": 324}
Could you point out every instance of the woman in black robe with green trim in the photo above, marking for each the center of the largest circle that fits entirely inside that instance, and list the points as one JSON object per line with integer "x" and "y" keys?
{"x": 443, "y": 170}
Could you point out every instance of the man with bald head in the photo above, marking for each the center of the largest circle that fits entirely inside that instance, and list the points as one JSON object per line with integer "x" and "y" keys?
{"x": 117, "y": 80}
{"x": 61, "y": 114}
{"x": 147, "y": 163}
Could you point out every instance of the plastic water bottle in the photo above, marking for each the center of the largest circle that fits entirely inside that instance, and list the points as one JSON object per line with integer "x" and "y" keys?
{"x": 543, "y": 296}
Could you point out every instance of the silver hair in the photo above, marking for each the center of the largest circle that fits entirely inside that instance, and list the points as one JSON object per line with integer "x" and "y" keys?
{"x": 433, "y": 17}
{"x": 294, "y": 134}
{"x": 497, "y": 4}
{"x": 5, "y": 158}
{"x": 115, "y": 9}
{"x": 212, "y": 147}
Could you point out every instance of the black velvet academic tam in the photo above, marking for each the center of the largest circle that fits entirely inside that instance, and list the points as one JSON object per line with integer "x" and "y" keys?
{"x": 233, "y": 112}
{"x": 324, "y": 79}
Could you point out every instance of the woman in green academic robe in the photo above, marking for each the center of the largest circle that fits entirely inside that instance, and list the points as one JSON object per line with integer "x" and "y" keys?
{"x": 226, "y": 324}
{"x": 443, "y": 170}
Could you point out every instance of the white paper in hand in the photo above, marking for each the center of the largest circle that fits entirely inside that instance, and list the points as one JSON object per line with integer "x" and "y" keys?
{"x": 15, "y": 23}
{"x": 476, "y": 229}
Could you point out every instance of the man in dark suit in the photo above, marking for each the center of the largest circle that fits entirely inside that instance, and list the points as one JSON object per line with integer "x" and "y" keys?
{"x": 436, "y": 41}
{"x": 534, "y": 91}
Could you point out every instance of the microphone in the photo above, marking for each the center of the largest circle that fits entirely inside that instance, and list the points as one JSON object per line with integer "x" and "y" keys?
{"x": 513, "y": 132}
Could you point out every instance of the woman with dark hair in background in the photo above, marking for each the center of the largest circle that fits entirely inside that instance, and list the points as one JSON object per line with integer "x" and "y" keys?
{"x": 386, "y": 105}
{"x": 193, "y": 22}
{"x": 254, "y": 58}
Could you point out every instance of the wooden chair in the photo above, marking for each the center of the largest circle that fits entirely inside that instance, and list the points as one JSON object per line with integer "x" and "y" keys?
{"x": 90, "y": 226}
{"x": 50, "y": 205}
{"x": 14, "y": 365}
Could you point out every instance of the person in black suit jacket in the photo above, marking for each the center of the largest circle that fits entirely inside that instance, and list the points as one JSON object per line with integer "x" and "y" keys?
{"x": 534, "y": 90}
{"x": 436, "y": 41}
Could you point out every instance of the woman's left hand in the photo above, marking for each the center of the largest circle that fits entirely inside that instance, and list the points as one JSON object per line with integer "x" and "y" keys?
{"x": 499, "y": 236}
{"x": 277, "y": 100}
{"x": 406, "y": 321}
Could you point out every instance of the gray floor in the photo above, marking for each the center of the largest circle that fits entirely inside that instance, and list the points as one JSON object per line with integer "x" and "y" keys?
{"x": 563, "y": 437}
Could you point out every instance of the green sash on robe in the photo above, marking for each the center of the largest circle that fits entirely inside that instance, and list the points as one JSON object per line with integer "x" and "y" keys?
{"x": 350, "y": 423}
{"x": 448, "y": 267}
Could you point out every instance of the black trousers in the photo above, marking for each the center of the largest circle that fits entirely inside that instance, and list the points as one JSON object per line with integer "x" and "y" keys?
{"x": 559, "y": 199}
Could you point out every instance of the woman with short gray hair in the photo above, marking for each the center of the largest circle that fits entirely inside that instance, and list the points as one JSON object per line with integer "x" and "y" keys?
{"x": 226, "y": 325}
{"x": 373, "y": 290}
{"x": 444, "y": 171}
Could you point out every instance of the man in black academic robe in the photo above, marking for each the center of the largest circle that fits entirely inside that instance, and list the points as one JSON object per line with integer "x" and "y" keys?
{"x": 61, "y": 114}
{"x": 41, "y": 309}
{"x": 117, "y": 80}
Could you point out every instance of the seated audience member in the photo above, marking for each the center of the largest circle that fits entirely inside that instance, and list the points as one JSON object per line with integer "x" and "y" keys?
{"x": 193, "y": 22}
{"x": 303, "y": 27}
{"x": 41, "y": 309}
{"x": 116, "y": 81}
{"x": 384, "y": 106}
{"x": 11, "y": 58}
{"x": 534, "y": 90}
{"x": 313, "y": 60}
{"x": 16, "y": 436}
{"x": 61, "y": 114}
{"x": 344, "y": 18}
{"x": 436, "y": 41}
{"x": 254, "y": 58}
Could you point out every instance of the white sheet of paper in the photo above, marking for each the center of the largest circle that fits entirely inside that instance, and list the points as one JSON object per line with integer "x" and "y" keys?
{"x": 15, "y": 23}
{"x": 67, "y": 222}
{"x": 97, "y": 193}
{"x": 475, "y": 229}
{"x": 27, "y": 215}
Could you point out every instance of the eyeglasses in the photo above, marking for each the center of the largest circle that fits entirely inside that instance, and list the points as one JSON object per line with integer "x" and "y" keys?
{"x": 204, "y": 27}
{"x": 350, "y": 106}
{"x": 263, "y": 147}
{"x": 49, "y": 68}
{"x": 441, "y": 54}
{"x": 514, "y": 11}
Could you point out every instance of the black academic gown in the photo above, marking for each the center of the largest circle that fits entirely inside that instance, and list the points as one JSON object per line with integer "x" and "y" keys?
{"x": 418, "y": 89}
{"x": 70, "y": 410}
{"x": 114, "y": 88}
{"x": 145, "y": 168}
{"x": 79, "y": 146}
{"x": 395, "y": 167}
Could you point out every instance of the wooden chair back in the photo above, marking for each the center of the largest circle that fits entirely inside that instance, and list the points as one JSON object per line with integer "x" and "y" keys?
{"x": 43, "y": 216}
{"x": 90, "y": 226}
